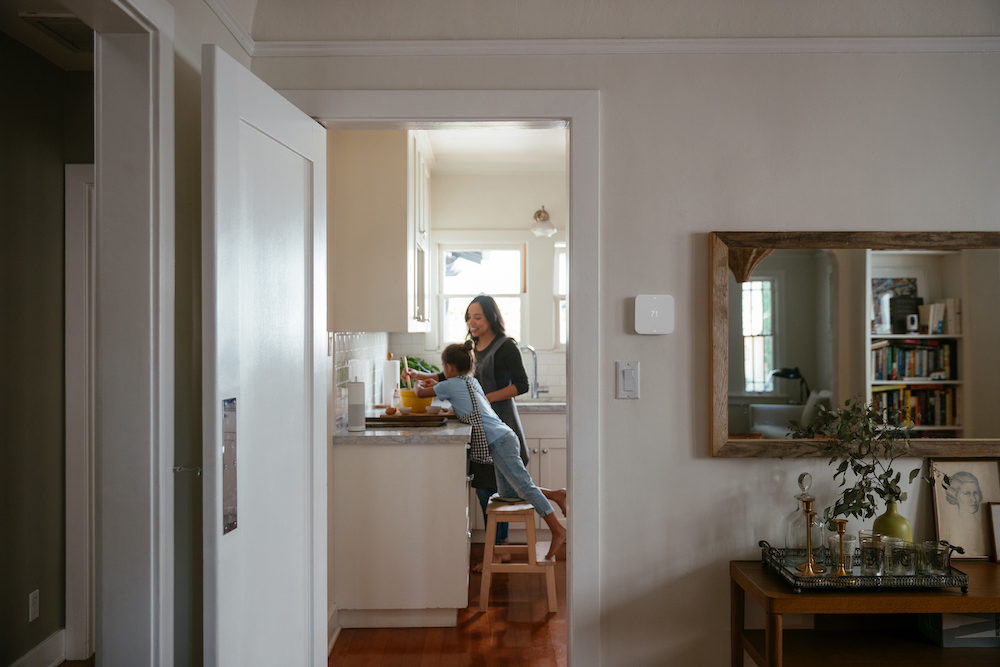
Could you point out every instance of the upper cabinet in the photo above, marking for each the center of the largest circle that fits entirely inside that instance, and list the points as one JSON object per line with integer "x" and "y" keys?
{"x": 379, "y": 230}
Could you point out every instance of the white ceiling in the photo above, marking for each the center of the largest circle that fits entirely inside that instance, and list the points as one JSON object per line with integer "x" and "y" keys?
{"x": 491, "y": 150}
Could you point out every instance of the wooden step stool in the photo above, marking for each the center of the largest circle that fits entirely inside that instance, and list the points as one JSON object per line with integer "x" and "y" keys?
{"x": 498, "y": 511}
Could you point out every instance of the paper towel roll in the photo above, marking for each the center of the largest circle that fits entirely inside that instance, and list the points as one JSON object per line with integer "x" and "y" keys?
{"x": 355, "y": 406}
{"x": 390, "y": 376}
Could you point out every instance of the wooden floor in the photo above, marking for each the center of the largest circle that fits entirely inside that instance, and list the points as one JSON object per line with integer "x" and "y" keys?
{"x": 517, "y": 630}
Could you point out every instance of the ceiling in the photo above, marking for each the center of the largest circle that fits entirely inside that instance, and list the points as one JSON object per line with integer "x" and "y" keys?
{"x": 69, "y": 50}
{"x": 492, "y": 150}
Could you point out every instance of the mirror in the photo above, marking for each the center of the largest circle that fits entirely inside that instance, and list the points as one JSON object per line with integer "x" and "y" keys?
{"x": 798, "y": 331}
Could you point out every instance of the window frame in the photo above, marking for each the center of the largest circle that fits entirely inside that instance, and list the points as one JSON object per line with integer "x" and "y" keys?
{"x": 443, "y": 248}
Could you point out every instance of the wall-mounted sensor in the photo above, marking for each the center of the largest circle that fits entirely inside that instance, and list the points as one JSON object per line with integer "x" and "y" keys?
{"x": 654, "y": 314}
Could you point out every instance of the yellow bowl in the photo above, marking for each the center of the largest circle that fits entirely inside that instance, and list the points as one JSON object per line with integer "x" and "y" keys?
{"x": 411, "y": 400}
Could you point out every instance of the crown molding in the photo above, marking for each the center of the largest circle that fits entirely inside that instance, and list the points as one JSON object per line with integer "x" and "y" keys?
{"x": 234, "y": 27}
{"x": 574, "y": 47}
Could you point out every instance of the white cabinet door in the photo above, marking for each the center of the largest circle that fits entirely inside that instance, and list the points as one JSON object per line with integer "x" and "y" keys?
{"x": 553, "y": 470}
{"x": 264, "y": 345}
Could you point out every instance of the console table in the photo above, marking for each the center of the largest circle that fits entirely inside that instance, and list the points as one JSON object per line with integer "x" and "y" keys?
{"x": 868, "y": 645}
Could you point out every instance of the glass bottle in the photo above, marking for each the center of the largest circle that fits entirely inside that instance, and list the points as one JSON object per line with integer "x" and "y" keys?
{"x": 797, "y": 526}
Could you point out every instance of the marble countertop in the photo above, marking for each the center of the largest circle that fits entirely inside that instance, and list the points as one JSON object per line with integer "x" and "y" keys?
{"x": 540, "y": 405}
{"x": 453, "y": 431}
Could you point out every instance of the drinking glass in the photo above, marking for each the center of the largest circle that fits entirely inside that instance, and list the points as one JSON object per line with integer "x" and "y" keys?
{"x": 904, "y": 558}
{"x": 872, "y": 556}
{"x": 850, "y": 543}
{"x": 936, "y": 557}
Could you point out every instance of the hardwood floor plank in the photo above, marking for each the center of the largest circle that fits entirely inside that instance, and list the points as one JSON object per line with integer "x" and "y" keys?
{"x": 516, "y": 630}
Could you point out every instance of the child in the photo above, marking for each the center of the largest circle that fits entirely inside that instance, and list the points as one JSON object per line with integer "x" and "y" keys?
{"x": 490, "y": 434}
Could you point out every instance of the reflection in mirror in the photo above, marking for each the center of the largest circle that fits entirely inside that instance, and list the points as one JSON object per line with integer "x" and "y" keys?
{"x": 807, "y": 315}
{"x": 782, "y": 322}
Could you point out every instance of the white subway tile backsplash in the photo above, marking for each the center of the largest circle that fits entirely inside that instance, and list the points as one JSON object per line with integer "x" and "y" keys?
{"x": 551, "y": 364}
{"x": 357, "y": 356}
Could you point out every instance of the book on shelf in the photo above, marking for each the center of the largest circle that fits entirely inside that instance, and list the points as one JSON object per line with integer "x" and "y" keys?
{"x": 916, "y": 405}
{"x": 953, "y": 316}
{"x": 913, "y": 359}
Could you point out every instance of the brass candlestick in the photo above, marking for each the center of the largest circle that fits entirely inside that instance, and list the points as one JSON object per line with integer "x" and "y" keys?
{"x": 810, "y": 568}
{"x": 841, "y": 528}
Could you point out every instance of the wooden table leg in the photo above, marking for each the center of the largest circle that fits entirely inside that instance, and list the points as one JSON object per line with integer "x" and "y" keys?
{"x": 737, "y": 598}
{"x": 773, "y": 640}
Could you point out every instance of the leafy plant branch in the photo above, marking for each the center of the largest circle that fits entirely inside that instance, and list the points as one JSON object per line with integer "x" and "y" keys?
{"x": 864, "y": 441}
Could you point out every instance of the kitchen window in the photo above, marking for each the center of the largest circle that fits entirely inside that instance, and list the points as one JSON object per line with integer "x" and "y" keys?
{"x": 561, "y": 288}
{"x": 467, "y": 272}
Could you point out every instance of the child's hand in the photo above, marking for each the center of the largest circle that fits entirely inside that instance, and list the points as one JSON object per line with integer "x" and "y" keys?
{"x": 428, "y": 382}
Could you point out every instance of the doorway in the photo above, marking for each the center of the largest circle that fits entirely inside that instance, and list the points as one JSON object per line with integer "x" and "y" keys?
{"x": 579, "y": 110}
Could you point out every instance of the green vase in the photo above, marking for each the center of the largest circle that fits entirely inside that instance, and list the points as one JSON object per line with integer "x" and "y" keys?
{"x": 893, "y": 524}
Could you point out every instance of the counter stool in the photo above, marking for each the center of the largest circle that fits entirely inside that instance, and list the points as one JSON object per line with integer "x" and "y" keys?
{"x": 498, "y": 511}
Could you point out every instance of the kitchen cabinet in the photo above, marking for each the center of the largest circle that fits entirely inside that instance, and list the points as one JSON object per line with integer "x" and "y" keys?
{"x": 399, "y": 526}
{"x": 379, "y": 230}
{"x": 545, "y": 436}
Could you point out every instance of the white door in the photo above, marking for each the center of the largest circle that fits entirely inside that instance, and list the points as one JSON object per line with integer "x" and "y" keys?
{"x": 264, "y": 345}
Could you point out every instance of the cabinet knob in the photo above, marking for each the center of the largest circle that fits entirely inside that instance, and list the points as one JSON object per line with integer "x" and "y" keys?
{"x": 469, "y": 478}
{"x": 545, "y": 451}
{"x": 534, "y": 450}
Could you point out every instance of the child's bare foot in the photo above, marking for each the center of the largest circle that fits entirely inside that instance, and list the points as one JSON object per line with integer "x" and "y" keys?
{"x": 558, "y": 539}
{"x": 558, "y": 496}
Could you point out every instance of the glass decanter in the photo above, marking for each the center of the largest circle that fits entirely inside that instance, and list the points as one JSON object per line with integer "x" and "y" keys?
{"x": 798, "y": 529}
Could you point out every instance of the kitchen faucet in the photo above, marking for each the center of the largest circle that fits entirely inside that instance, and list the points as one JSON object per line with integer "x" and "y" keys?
{"x": 535, "y": 389}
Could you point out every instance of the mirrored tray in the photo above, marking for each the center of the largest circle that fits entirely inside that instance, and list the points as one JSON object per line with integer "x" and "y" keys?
{"x": 783, "y": 562}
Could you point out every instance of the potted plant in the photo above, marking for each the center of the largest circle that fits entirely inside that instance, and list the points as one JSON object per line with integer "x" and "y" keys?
{"x": 864, "y": 442}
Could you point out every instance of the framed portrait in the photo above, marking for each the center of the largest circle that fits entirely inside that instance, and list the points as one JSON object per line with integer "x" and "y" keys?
{"x": 995, "y": 524}
{"x": 961, "y": 507}
{"x": 892, "y": 282}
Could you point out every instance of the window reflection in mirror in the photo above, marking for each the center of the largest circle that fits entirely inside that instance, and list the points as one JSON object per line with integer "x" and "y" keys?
{"x": 799, "y": 289}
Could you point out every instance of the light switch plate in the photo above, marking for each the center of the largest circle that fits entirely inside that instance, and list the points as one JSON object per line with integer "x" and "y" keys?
{"x": 627, "y": 379}
{"x": 654, "y": 314}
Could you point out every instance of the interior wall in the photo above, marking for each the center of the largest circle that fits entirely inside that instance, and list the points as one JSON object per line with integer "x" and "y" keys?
{"x": 46, "y": 120}
{"x": 497, "y": 201}
{"x": 696, "y": 143}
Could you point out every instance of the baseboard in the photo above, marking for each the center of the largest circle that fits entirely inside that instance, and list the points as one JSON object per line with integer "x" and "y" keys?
{"x": 50, "y": 653}
{"x": 332, "y": 628}
{"x": 399, "y": 618}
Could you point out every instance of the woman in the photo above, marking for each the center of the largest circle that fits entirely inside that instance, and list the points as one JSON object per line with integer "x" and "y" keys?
{"x": 966, "y": 527}
{"x": 500, "y": 371}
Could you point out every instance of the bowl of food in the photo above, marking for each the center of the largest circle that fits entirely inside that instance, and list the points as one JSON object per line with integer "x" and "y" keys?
{"x": 433, "y": 409}
{"x": 411, "y": 400}
{"x": 405, "y": 410}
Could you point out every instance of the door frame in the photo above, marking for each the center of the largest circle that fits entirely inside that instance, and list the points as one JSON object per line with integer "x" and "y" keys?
{"x": 133, "y": 343}
{"x": 580, "y": 109}
{"x": 80, "y": 249}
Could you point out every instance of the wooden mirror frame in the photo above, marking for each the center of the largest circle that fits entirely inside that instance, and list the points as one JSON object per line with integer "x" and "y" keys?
{"x": 743, "y": 250}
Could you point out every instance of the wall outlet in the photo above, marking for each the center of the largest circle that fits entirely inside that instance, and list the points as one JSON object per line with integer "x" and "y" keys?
{"x": 32, "y": 606}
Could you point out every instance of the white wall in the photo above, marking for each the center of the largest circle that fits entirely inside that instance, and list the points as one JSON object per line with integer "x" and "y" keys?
{"x": 690, "y": 144}
{"x": 497, "y": 201}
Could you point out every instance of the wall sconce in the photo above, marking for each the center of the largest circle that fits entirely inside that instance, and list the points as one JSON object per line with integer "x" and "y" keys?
{"x": 542, "y": 226}
{"x": 794, "y": 374}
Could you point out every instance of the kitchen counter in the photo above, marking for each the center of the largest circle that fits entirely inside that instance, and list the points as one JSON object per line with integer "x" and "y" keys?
{"x": 453, "y": 431}
{"x": 399, "y": 523}
{"x": 540, "y": 405}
